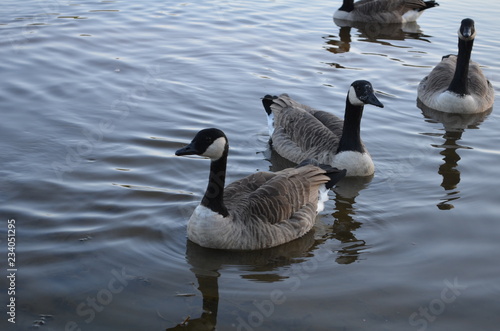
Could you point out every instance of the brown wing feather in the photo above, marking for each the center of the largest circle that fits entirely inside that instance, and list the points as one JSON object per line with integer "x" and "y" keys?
{"x": 280, "y": 197}
{"x": 385, "y": 11}
{"x": 379, "y": 6}
{"x": 303, "y": 132}
{"x": 241, "y": 188}
{"x": 480, "y": 86}
{"x": 439, "y": 78}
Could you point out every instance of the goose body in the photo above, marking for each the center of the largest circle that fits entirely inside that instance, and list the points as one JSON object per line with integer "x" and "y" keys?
{"x": 262, "y": 210}
{"x": 457, "y": 84}
{"x": 383, "y": 11}
{"x": 299, "y": 132}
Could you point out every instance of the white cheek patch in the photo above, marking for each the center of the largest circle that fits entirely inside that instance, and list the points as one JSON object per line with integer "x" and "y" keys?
{"x": 353, "y": 98}
{"x": 216, "y": 149}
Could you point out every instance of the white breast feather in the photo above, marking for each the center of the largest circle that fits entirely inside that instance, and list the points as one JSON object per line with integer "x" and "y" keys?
{"x": 450, "y": 102}
{"x": 207, "y": 228}
{"x": 341, "y": 15}
{"x": 356, "y": 163}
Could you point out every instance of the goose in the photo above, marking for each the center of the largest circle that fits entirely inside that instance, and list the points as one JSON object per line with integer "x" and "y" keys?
{"x": 457, "y": 84}
{"x": 262, "y": 210}
{"x": 383, "y": 11}
{"x": 299, "y": 132}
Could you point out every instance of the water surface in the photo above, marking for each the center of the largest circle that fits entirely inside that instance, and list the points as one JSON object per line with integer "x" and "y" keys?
{"x": 97, "y": 95}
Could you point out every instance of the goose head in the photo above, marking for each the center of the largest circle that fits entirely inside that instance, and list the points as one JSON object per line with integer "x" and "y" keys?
{"x": 211, "y": 143}
{"x": 467, "y": 30}
{"x": 361, "y": 93}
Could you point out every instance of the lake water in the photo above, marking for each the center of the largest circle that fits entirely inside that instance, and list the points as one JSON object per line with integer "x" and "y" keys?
{"x": 95, "y": 98}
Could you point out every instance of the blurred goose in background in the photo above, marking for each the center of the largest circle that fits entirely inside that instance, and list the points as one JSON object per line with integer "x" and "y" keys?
{"x": 299, "y": 132}
{"x": 383, "y": 11}
{"x": 457, "y": 84}
{"x": 259, "y": 211}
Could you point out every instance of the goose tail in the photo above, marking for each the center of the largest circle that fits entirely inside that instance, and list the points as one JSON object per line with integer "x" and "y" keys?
{"x": 267, "y": 101}
{"x": 333, "y": 173}
{"x": 429, "y": 4}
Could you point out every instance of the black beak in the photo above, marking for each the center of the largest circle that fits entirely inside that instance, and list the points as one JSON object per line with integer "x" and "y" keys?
{"x": 372, "y": 100}
{"x": 467, "y": 32}
{"x": 186, "y": 150}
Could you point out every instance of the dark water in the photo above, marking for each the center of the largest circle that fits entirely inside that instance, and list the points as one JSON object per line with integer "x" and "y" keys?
{"x": 97, "y": 95}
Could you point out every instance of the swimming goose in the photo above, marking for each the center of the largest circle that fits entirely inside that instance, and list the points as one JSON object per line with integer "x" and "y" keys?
{"x": 262, "y": 210}
{"x": 457, "y": 84}
{"x": 299, "y": 132}
{"x": 383, "y": 11}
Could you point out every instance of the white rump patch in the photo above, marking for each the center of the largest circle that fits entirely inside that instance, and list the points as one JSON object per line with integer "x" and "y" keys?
{"x": 270, "y": 123}
{"x": 322, "y": 198}
{"x": 356, "y": 163}
{"x": 216, "y": 149}
{"x": 411, "y": 16}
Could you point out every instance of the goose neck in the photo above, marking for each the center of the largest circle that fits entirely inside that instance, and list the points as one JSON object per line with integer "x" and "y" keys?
{"x": 351, "y": 139}
{"x": 459, "y": 83}
{"x": 347, "y": 6}
{"x": 214, "y": 194}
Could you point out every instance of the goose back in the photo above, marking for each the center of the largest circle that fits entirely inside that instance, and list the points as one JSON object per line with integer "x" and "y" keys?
{"x": 301, "y": 132}
{"x": 385, "y": 11}
{"x": 265, "y": 210}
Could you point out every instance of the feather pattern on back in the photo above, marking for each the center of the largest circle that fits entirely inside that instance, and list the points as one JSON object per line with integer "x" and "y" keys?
{"x": 265, "y": 210}
{"x": 302, "y": 132}
{"x": 386, "y": 11}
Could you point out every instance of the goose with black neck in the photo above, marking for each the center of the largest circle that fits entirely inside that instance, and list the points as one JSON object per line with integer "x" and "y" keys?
{"x": 457, "y": 84}
{"x": 300, "y": 132}
{"x": 262, "y": 210}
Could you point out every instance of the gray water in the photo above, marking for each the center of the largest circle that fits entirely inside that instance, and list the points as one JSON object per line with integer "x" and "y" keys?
{"x": 97, "y": 95}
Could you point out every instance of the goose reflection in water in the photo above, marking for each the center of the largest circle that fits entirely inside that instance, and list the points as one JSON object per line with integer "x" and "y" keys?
{"x": 344, "y": 226}
{"x": 372, "y": 32}
{"x": 454, "y": 126}
{"x": 259, "y": 265}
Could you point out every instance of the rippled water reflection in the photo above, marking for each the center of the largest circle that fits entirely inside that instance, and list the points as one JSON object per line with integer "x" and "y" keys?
{"x": 96, "y": 97}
